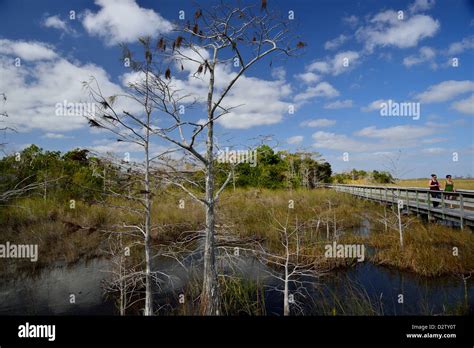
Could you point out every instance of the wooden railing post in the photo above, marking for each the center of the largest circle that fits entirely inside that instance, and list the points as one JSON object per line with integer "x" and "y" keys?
{"x": 461, "y": 208}
{"x": 417, "y": 202}
{"x": 429, "y": 204}
{"x": 408, "y": 201}
{"x": 443, "y": 205}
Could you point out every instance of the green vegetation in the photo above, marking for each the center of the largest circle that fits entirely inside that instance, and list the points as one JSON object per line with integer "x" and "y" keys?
{"x": 248, "y": 212}
{"x": 361, "y": 176}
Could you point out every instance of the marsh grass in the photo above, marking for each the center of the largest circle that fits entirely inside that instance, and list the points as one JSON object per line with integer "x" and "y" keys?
{"x": 246, "y": 214}
{"x": 430, "y": 249}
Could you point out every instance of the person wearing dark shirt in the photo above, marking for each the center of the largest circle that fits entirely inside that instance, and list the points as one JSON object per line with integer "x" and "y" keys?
{"x": 434, "y": 186}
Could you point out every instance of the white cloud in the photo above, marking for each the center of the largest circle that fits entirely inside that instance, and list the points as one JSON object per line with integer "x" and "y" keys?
{"x": 339, "y": 104}
{"x": 377, "y": 139}
{"x": 256, "y": 102}
{"x": 318, "y": 123}
{"x": 445, "y": 90}
{"x": 344, "y": 61}
{"x": 396, "y": 133}
{"x": 341, "y": 62}
{"x": 27, "y": 50}
{"x": 104, "y": 146}
{"x": 385, "y": 29}
{"x": 421, "y": 5}
{"x": 458, "y": 47}
{"x": 351, "y": 20}
{"x": 335, "y": 43}
{"x": 308, "y": 77}
{"x": 34, "y": 90}
{"x": 323, "y": 89}
{"x": 319, "y": 66}
{"x": 279, "y": 73}
{"x": 425, "y": 54}
{"x": 56, "y": 23}
{"x": 465, "y": 106}
{"x": 297, "y": 139}
{"x": 434, "y": 140}
{"x": 333, "y": 141}
{"x": 56, "y": 136}
{"x": 434, "y": 150}
{"x": 374, "y": 106}
{"x": 124, "y": 21}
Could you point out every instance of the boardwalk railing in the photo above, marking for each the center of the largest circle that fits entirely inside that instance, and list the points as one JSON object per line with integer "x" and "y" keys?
{"x": 449, "y": 206}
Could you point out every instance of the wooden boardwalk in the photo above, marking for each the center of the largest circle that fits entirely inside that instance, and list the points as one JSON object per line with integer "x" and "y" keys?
{"x": 456, "y": 206}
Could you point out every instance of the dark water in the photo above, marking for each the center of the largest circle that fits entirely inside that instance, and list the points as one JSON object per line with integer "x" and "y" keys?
{"x": 48, "y": 292}
{"x": 362, "y": 289}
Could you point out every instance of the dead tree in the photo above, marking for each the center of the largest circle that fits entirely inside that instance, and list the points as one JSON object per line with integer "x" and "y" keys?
{"x": 292, "y": 268}
{"x": 135, "y": 130}
{"x": 123, "y": 277}
{"x": 219, "y": 37}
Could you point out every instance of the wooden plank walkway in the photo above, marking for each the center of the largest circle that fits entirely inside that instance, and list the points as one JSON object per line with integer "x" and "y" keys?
{"x": 451, "y": 206}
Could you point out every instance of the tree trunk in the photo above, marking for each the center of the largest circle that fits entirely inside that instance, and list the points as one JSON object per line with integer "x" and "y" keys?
{"x": 210, "y": 297}
{"x": 400, "y": 227}
{"x": 148, "y": 275}
{"x": 286, "y": 300}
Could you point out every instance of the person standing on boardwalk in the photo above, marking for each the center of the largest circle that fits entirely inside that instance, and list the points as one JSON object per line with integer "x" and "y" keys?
{"x": 434, "y": 186}
{"x": 449, "y": 187}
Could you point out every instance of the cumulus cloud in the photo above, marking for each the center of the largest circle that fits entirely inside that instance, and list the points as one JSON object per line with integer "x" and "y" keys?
{"x": 27, "y": 50}
{"x": 421, "y": 5}
{"x": 458, "y": 47}
{"x": 351, "y": 20}
{"x": 335, "y": 43}
{"x": 57, "y": 23}
{"x": 445, "y": 90}
{"x": 342, "y": 142}
{"x": 297, "y": 139}
{"x": 308, "y": 77}
{"x": 341, "y": 62}
{"x": 123, "y": 21}
{"x": 320, "y": 122}
{"x": 339, "y": 104}
{"x": 55, "y": 136}
{"x": 374, "y": 106}
{"x": 465, "y": 106}
{"x": 322, "y": 89}
{"x": 35, "y": 89}
{"x": 373, "y": 138}
{"x": 254, "y": 101}
{"x": 395, "y": 134}
{"x": 385, "y": 29}
{"x": 425, "y": 54}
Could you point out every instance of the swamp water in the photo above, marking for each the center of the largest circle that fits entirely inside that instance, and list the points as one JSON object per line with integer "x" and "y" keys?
{"x": 360, "y": 290}
{"x": 364, "y": 289}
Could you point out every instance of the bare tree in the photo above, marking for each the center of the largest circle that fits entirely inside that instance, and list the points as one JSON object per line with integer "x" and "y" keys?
{"x": 124, "y": 278}
{"x": 392, "y": 220}
{"x": 293, "y": 269}
{"x": 135, "y": 130}
{"x": 219, "y": 36}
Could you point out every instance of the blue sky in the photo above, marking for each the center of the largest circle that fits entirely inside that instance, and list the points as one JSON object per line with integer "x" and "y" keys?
{"x": 360, "y": 54}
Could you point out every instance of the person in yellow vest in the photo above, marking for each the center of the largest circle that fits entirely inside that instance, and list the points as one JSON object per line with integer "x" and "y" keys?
{"x": 449, "y": 187}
